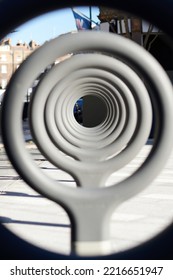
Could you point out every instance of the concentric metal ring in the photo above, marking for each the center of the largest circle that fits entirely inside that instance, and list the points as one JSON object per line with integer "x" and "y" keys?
{"x": 120, "y": 87}
{"x": 120, "y": 51}
{"x": 92, "y": 148}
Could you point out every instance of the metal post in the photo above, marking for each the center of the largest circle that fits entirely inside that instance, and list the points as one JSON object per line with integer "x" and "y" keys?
{"x": 90, "y": 16}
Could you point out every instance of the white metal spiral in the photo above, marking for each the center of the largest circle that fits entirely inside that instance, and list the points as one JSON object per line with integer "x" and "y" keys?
{"x": 116, "y": 71}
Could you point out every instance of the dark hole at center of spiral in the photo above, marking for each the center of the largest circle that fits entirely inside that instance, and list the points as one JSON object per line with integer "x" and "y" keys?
{"x": 90, "y": 111}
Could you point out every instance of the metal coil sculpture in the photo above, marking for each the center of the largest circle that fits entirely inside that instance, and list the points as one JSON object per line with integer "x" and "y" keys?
{"x": 116, "y": 70}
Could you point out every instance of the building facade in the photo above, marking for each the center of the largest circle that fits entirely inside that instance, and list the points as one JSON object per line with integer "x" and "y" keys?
{"x": 11, "y": 57}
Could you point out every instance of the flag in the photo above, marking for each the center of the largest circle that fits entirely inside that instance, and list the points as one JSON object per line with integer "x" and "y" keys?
{"x": 82, "y": 21}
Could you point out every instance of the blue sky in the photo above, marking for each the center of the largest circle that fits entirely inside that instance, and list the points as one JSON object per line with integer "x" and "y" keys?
{"x": 50, "y": 25}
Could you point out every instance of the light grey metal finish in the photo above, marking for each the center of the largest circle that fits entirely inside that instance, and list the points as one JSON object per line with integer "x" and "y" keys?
{"x": 104, "y": 68}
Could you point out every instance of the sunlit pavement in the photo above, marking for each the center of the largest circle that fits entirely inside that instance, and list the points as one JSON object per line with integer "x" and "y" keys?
{"x": 45, "y": 224}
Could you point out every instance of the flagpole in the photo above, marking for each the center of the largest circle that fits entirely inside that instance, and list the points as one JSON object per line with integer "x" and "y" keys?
{"x": 90, "y": 12}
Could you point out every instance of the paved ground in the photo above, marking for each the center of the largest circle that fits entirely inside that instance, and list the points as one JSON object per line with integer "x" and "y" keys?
{"x": 46, "y": 224}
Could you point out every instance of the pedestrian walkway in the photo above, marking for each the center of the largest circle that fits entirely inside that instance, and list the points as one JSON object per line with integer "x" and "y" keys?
{"x": 45, "y": 224}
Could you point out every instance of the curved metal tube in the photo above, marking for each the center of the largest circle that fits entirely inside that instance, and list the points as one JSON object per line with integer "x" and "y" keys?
{"x": 92, "y": 155}
{"x": 109, "y": 146}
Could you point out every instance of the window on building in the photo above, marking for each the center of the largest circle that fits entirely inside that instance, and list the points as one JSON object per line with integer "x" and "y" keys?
{"x": 5, "y": 48}
{"x": 3, "y": 83}
{"x": 18, "y": 58}
{"x": 3, "y": 69}
{"x": 3, "y": 57}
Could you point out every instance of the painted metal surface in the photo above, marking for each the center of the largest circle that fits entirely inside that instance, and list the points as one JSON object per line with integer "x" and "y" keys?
{"x": 109, "y": 67}
{"x": 90, "y": 155}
